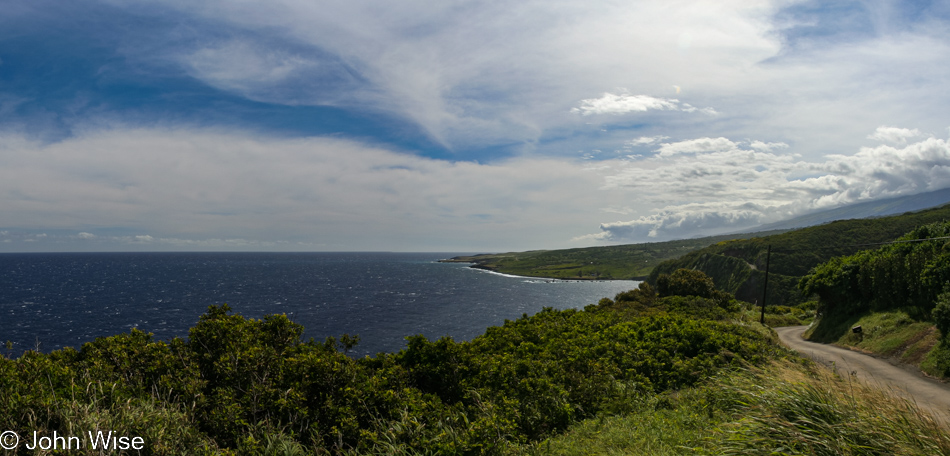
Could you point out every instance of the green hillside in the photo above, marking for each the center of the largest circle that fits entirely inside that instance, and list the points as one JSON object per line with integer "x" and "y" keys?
{"x": 898, "y": 294}
{"x": 630, "y": 262}
{"x": 738, "y": 266}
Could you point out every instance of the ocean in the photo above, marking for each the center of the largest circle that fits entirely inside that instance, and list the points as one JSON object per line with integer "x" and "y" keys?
{"x": 52, "y": 300}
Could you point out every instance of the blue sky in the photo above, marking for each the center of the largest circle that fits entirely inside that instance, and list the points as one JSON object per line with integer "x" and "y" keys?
{"x": 456, "y": 126}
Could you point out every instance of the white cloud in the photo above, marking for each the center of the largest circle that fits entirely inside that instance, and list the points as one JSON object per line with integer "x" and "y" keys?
{"x": 234, "y": 63}
{"x": 683, "y": 222}
{"x": 624, "y": 103}
{"x": 490, "y": 74}
{"x": 767, "y": 147}
{"x": 690, "y": 108}
{"x": 274, "y": 75}
{"x": 710, "y": 186}
{"x": 885, "y": 171}
{"x": 476, "y": 74}
{"x": 646, "y": 140}
{"x": 479, "y": 72}
{"x": 198, "y": 186}
{"x": 694, "y": 146}
{"x": 894, "y": 135}
{"x": 202, "y": 189}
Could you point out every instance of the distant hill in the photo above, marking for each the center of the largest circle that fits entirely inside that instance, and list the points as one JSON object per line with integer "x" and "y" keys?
{"x": 637, "y": 261}
{"x": 738, "y": 266}
{"x": 879, "y": 208}
{"x": 629, "y": 262}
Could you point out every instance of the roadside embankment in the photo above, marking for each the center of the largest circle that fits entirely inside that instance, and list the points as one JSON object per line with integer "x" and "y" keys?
{"x": 927, "y": 393}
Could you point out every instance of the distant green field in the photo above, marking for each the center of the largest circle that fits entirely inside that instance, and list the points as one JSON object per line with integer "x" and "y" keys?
{"x": 616, "y": 262}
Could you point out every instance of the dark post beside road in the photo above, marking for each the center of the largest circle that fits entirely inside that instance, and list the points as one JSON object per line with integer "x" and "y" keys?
{"x": 765, "y": 287}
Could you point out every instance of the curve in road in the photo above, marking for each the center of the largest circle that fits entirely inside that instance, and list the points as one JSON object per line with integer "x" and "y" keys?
{"x": 927, "y": 393}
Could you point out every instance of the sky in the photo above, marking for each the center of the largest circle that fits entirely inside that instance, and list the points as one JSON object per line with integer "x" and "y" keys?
{"x": 462, "y": 126}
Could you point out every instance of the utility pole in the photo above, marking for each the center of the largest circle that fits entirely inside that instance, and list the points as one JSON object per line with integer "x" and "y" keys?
{"x": 765, "y": 287}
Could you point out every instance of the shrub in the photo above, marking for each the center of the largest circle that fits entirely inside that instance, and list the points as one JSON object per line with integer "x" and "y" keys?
{"x": 236, "y": 381}
{"x": 691, "y": 282}
{"x": 941, "y": 315}
{"x": 644, "y": 294}
{"x": 906, "y": 275}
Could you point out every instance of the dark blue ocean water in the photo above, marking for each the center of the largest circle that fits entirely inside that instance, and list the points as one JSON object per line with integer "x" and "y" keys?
{"x": 67, "y": 299}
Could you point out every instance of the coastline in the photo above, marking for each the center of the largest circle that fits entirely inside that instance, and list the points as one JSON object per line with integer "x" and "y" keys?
{"x": 481, "y": 262}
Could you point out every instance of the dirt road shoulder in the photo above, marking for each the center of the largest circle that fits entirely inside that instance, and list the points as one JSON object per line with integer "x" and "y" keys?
{"x": 929, "y": 394}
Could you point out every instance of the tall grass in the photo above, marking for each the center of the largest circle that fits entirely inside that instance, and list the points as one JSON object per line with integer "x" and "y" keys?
{"x": 91, "y": 406}
{"x": 787, "y": 408}
{"x": 791, "y": 409}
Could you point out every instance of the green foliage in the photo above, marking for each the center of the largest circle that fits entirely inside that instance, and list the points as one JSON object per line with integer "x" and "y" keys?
{"x": 891, "y": 333}
{"x": 738, "y": 266}
{"x": 788, "y": 408}
{"x": 906, "y": 275}
{"x": 644, "y": 295}
{"x": 694, "y": 283}
{"x": 907, "y": 278}
{"x": 827, "y": 416}
{"x": 937, "y": 362}
{"x": 251, "y": 386}
{"x": 685, "y": 282}
{"x": 941, "y": 314}
{"x": 632, "y": 261}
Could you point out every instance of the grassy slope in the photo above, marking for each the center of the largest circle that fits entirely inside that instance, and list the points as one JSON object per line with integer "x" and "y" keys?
{"x": 792, "y": 406}
{"x": 891, "y": 334}
{"x": 804, "y": 409}
{"x": 888, "y": 292}
{"x": 631, "y": 262}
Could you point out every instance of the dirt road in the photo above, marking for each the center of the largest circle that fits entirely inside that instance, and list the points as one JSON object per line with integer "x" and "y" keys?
{"x": 927, "y": 393}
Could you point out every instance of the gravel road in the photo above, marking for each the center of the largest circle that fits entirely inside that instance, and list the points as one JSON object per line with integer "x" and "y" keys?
{"x": 929, "y": 394}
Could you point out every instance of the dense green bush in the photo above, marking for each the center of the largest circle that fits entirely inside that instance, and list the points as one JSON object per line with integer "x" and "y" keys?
{"x": 738, "y": 266}
{"x": 695, "y": 283}
{"x": 644, "y": 294}
{"x": 941, "y": 315}
{"x": 685, "y": 282}
{"x": 906, "y": 275}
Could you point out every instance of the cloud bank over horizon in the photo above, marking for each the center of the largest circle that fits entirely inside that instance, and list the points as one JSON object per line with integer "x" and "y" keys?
{"x": 231, "y": 192}
{"x": 476, "y": 126}
{"x": 714, "y": 185}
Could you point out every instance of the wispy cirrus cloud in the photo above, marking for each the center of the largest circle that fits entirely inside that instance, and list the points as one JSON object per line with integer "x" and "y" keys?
{"x": 459, "y": 124}
{"x": 646, "y": 140}
{"x": 470, "y": 75}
